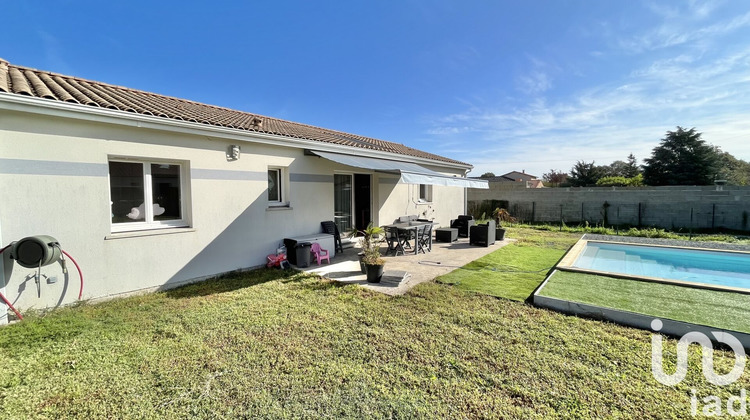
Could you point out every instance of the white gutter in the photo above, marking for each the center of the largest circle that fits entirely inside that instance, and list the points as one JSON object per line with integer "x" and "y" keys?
{"x": 34, "y": 105}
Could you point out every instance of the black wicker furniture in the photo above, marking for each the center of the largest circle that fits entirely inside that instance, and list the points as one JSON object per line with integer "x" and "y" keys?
{"x": 463, "y": 223}
{"x": 446, "y": 234}
{"x": 483, "y": 235}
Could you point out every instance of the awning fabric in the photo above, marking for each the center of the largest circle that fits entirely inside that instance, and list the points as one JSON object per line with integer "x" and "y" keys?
{"x": 411, "y": 173}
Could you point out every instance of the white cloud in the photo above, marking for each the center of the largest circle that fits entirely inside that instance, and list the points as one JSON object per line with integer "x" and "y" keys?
{"x": 534, "y": 82}
{"x": 693, "y": 87}
{"x": 537, "y": 79}
{"x": 681, "y": 30}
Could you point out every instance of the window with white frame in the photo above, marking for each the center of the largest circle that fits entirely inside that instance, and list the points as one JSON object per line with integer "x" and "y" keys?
{"x": 146, "y": 195}
{"x": 425, "y": 193}
{"x": 277, "y": 187}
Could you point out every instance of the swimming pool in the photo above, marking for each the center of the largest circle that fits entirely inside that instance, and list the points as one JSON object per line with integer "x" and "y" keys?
{"x": 701, "y": 267}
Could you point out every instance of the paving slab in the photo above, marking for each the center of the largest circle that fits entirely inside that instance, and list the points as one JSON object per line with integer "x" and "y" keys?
{"x": 405, "y": 271}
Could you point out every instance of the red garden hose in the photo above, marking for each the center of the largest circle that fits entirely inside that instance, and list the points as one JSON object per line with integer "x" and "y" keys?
{"x": 80, "y": 276}
{"x": 7, "y": 302}
{"x": 80, "y": 273}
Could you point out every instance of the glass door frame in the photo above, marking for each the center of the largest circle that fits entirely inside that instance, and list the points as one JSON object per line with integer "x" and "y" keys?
{"x": 353, "y": 211}
{"x": 337, "y": 218}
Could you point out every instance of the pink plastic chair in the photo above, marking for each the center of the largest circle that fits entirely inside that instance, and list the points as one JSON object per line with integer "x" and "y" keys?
{"x": 320, "y": 253}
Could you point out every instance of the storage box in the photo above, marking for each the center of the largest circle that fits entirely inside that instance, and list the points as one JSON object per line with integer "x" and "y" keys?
{"x": 324, "y": 239}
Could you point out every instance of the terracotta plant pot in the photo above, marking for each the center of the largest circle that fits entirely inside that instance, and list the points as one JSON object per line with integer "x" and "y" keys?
{"x": 374, "y": 272}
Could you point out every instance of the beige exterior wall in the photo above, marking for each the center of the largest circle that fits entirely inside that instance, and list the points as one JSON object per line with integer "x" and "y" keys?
{"x": 54, "y": 179}
{"x": 403, "y": 199}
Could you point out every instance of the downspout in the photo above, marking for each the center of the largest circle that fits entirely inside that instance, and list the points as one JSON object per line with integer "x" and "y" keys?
{"x": 3, "y": 306}
{"x": 466, "y": 193}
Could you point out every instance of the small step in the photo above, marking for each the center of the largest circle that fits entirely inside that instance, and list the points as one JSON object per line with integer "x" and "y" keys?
{"x": 633, "y": 265}
{"x": 652, "y": 268}
{"x": 612, "y": 261}
{"x": 586, "y": 259}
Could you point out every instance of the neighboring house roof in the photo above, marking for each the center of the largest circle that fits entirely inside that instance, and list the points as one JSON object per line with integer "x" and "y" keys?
{"x": 42, "y": 84}
{"x": 518, "y": 176}
{"x": 536, "y": 183}
{"x": 495, "y": 179}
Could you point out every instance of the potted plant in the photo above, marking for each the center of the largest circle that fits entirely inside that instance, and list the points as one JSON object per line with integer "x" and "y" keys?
{"x": 501, "y": 215}
{"x": 374, "y": 265}
{"x": 369, "y": 240}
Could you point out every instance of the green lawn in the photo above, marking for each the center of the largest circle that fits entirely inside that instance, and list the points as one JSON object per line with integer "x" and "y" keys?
{"x": 514, "y": 271}
{"x": 269, "y": 344}
{"x": 727, "y": 310}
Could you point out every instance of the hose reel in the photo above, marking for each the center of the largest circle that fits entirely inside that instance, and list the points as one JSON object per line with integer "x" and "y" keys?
{"x": 36, "y": 251}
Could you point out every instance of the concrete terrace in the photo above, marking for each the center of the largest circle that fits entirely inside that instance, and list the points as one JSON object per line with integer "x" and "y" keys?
{"x": 404, "y": 271}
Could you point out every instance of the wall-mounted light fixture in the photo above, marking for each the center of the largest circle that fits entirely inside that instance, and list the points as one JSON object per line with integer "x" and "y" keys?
{"x": 234, "y": 152}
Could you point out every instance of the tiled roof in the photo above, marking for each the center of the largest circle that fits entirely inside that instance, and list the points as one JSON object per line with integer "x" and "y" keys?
{"x": 42, "y": 84}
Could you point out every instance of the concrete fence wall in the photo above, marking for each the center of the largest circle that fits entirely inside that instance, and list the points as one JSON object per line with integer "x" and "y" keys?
{"x": 705, "y": 207}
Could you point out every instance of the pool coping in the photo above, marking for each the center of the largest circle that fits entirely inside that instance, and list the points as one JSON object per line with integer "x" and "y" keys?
{"x": 670, "y": 327}
{"x": 567, "y": 261}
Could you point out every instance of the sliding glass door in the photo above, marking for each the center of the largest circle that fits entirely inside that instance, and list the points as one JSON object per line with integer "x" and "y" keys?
{"x": 352, "y": 201}
{"x": 343, "y": 194}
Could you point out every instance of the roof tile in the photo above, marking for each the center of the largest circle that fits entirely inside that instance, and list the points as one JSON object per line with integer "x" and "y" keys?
{"x": 4, "y": 77}
{"x": 32, "y": 82}
{"x": 18, "y": 83}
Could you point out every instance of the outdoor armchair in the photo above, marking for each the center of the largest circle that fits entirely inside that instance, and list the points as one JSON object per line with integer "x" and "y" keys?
{"x": 463, "y": 223}
{"x": 483, "y": 235}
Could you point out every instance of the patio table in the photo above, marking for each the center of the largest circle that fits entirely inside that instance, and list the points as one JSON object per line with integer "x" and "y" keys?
{"x": 412, "y": 227}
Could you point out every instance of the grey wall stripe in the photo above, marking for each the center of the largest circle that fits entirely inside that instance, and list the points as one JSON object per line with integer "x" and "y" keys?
{"x": 311, "y": 178}
{"x": 49, "y": 167}
{"x": 229, "y": 175}
{"x": 390, "y": 181}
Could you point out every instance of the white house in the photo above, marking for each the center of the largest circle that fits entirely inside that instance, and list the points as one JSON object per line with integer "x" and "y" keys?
{"x": 148, "y": 192}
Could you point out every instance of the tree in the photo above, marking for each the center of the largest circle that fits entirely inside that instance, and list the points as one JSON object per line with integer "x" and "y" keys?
{"x": 631, "y": 169}
{"x": 734, "y": 171}
{"x": 487, "y": 175}
{"x": 584, "y": 174}
{"x": 620, "y": 181}
{"x": 682, "y": 158}
{"x": 616, "y": 168}
{"x": 555, "y": 178}
{"x": 612, "y": 181}
{"x": 619, "y": 168}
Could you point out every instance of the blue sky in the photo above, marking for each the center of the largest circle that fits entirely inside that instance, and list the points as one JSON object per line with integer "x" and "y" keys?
{"x": 503, "y": 85}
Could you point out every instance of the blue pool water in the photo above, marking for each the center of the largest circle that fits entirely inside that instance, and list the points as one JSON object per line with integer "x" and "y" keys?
{"x": 692, "y": 265}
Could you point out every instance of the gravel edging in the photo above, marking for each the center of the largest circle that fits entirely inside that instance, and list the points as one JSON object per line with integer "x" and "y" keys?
{"x": 667, "y": 242}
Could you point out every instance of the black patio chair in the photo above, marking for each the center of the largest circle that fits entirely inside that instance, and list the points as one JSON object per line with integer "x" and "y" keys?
{"x": 425, "y": 239}
{"x": 395, "y": 241}
{"x": 330, "y": 228}
{"x": 407, "y": 235}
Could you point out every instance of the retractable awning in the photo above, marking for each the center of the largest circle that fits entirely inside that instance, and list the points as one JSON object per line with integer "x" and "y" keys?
{"x": 410, "y": 173}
